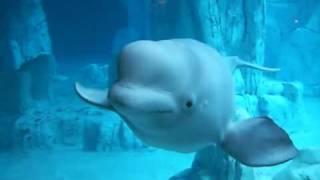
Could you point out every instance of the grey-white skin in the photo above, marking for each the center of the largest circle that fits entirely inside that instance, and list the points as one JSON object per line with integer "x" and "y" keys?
{"x": 178, "y": 95}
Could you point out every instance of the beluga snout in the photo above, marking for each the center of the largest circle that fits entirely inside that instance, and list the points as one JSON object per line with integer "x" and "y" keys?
{"x": 134, "y": 98}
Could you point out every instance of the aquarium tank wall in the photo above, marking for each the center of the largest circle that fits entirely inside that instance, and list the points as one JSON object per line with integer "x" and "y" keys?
{"x": 48, "y": 132}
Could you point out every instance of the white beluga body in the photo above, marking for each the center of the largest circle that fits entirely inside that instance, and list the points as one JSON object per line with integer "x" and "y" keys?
{"x": 178, "y": 95}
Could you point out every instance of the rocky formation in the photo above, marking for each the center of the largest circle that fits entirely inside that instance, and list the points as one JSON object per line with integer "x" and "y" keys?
{"x": 293, "y": 41}
{"x": 26, "y": 65}
{"x": 283, "y": 101}
{"x": 94, "y": 75}
{"x": 25, "y": 53}
{"x": 213, "y": 163}
{"x": 306, "y": 166}
{"x": 70, "y": 122}
{"x": 75, "y": 126}
{"x": 25, "y": 33}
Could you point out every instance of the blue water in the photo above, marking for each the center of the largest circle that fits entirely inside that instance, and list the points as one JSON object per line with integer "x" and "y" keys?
{"x": 48, "y": 133}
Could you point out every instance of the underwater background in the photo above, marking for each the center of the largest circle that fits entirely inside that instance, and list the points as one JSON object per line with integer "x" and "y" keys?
{"x": 48, "y": 133}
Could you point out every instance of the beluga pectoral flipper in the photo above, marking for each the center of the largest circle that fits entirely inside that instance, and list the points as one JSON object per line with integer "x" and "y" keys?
{"x": 258, "y": 142}
{"x": 178, "y": 95}
{"x": 97, "y": 97}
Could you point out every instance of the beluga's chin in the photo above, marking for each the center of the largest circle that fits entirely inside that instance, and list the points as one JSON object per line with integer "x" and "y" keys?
{"x": 178, "y": 95}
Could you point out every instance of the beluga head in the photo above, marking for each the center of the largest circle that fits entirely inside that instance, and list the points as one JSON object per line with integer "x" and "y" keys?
{"x": 145, "y": 91}
{"x": 178, "y": 95}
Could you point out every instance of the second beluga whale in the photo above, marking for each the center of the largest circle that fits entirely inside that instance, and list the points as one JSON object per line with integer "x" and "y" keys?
{"x": 178, "y": 95}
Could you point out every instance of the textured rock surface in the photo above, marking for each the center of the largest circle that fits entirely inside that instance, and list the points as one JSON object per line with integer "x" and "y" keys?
{"x": 7, "y": 142}
{"x": 73, "y": 126}
{"x": 283, "y": 102}
{"x": 269, "y": 86}
{"x": 304, "y": 167}
{"x": 212, "y": 163}
{"x": 94, "y": 74}
{"x": 15, "y": 95}
{"x": 41, "y": 71}
{"x": 247, "y": 102}
{"x": 239, "y": 83}
{"x": 67, "y": 121}
{"x": 26, "y": 65}
{"x": 25, "y": 34}
{"x": 293, "y": 26}
{"x": 278, "y": 108}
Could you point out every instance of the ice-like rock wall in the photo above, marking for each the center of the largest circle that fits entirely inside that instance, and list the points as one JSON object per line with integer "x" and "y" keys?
{"x": 293, "y": 41}
{"x": 213, "y": 163}
{"x": 26, "y": 62}
{"x": 69, "y": 122}
{"x": 25, "y": 53}
{"x": 25, "y": 33}
{"x": 74, "y": 126}
{"x": 306, "y": 166}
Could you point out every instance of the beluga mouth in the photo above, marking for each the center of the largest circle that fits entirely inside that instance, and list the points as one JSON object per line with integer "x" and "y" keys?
{"x": 141, "y": 99}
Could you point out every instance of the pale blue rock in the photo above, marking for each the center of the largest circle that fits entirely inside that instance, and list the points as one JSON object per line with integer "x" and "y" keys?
{"x": 239, "y": 82}
{"x": 33, "y": 131}
{"x": 293, "y": 91}
{"x": 212, "y": 163}
{"x": 94, "y": 74}
{"x": 274, "y": 105}
{"x": 306, "y": 166}
{"x": 247, "y": 102}
{"x": 286, "y": 113}
{"x": 27, "y": 63}
{"x": 25, "y": 35}
{"x": 241, "y": 113}
{"x": 270, "y": 86}
{"x": 293, "y": 28}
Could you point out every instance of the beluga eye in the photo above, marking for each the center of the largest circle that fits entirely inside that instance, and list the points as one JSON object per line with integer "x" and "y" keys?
{"x": 189, "y": 104}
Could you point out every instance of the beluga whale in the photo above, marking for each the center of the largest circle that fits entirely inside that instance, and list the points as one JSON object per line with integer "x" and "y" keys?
{"x": 178, "y": 95}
